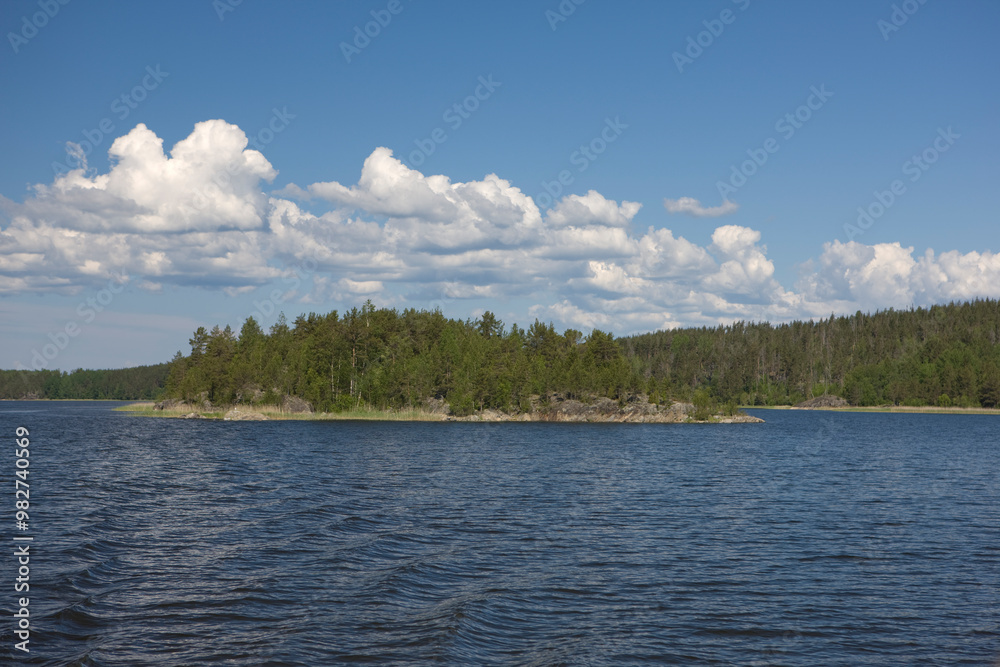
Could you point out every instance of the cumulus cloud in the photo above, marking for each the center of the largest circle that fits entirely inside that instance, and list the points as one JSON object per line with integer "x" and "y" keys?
{"x": 888, "y": 275}
{"x": 591, "y": 209}
{"x": 193, "y": 217}
{"x": 198, "y": 216}
{"x": 692, "y": 206}
{"x": 209, "y": 182}
{"x": 433, "y": 214}
{"x": 662, "y": 256}
{"x": 745, "y": 268}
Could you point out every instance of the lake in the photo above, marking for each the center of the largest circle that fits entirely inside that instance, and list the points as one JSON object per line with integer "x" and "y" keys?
{"x": 816, "y": 538}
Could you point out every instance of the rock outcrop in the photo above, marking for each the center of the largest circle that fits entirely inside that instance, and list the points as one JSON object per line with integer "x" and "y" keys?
{"x": 637, "y": 409}
{"x": 250, "y": 393}
{"x": 174, "y": 404}
{"x": 824, "y": 401}
{"x": 554, "y": 407}
{"x": 436, "y": 406}
{"x": 242, "y": 415}
{"x": 295, "y": 405}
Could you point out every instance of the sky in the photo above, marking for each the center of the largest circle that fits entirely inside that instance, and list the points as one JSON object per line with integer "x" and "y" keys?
{"x": 628, "y": 166}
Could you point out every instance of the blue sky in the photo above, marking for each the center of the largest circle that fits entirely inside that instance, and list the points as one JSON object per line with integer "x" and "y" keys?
{"x": 172, "y": 165}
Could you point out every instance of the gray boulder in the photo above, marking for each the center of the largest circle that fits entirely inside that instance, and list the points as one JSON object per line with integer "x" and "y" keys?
{"x": 295, "y": 405}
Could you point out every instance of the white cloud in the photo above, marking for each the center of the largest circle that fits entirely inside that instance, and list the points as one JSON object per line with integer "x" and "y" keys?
{"x": 432, "y": 214}
{"x": 693, "y": 207}
{"x": 591, "y": 209}
{"x": 405, "y": 238}
{"x": 887, "y": 275}
{"x": 195, "y": 217}
{"x": 954, "y": 276}
{"x": 745, "y": 269}
{"x": 611, "y": 278}
{"x": 585, "y": 243}
{"x": 571, "y": 315}
{"x": 209, "y": 182}
{"x": 660, "y": 255}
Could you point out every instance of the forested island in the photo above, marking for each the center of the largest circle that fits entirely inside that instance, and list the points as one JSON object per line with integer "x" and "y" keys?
{"x": 384, "y": 359}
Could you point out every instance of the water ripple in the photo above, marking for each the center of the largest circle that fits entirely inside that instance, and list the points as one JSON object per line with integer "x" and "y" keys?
{"x": 176, "y": 542}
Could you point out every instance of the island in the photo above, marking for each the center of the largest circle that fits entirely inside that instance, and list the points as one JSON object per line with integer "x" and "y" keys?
{"x": 383, "y": 363}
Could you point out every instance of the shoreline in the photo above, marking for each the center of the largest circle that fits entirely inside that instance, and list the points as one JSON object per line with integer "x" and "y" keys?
{"x": 898, "y": 409}
{"x": 140, "y": 407}
{"x": 243, "y": 413}
{"x": 71, "y": 400}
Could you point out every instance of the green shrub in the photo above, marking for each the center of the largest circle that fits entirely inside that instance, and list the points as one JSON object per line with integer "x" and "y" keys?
{"x": 461, "y": 405}
{"x": 704, "y": 405}
{"x": 343, "y": 403}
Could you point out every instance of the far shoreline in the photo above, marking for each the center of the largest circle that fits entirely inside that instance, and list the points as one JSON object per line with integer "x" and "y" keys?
{"x": 898, "y": 409}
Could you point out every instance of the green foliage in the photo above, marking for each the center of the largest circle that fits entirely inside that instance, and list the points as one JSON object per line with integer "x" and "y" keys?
{"x": 386, "y": 359}
{"x": 891, "y": 357}
{"x": 372, "y": 358}
{"x": 460, "y": 404}
{"x": 343, "y": 403}
{"x": 125, "y": 384}
{"x": 704, "y": 405}
{"x": 989, "y": 388}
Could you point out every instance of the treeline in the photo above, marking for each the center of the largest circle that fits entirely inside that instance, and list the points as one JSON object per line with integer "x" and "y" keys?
{"x": 382, "y": 358}
{"x": 943, "y": 355}
{"x": 940, "y": 356}
{"x": 125, "y": 384}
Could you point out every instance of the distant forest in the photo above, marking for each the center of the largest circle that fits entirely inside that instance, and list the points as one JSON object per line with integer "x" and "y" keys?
{"x": 939, "y": 356}
{"x": 382, "y": 358}
{"x": 126, "y": 384}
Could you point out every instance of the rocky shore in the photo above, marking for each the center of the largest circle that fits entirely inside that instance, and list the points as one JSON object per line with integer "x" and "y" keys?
{"x": 638, "y": 410}
{"x": 551, "y": 408}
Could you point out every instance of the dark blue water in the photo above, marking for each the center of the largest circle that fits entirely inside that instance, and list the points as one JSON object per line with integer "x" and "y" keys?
{"x": 814, "y": 539}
